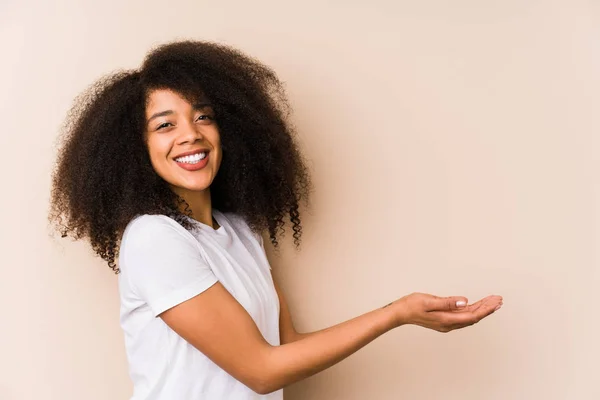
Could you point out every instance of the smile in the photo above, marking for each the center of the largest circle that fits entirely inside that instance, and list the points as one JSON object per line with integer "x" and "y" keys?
{"x": 193, "y": 162}
{"x": 193, "y": 159}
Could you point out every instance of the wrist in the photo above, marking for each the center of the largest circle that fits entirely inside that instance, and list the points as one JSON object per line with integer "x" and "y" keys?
{"x": 393, "y": 318}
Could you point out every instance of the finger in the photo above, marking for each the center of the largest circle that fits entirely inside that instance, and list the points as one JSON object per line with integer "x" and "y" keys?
{"x": 470, "y": 316}
{"x": 447, "y": 303}
{"x": 492, "y": 304}
{"x": 475, "y": 306}
{"x": 470, "y": 308}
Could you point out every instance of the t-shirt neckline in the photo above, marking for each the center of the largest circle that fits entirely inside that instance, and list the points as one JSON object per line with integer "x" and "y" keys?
{"x": 217, "y": 217}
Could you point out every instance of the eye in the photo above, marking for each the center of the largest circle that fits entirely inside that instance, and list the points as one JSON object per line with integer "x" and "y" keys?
{"x": 204, "y": 117}
{"x": 163, "y": 126}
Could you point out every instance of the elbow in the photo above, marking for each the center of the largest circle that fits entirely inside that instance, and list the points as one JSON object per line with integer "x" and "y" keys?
{"x": 266, "y": 376}
{"x": 264, "y": 386}
{"x": 264, "y": 381}
{"x": 261, "y": 390}
{"x": 266, "y": 390}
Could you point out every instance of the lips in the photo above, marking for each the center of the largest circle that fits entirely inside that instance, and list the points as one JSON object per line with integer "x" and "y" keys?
{"x": 193, "y": 167}
{"x": 192, "y": 152}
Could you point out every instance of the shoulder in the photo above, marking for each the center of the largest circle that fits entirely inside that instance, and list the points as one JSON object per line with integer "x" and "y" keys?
{"x": 240, "y": 224}
{"x": 149, "y": 224}
{"x": 151, "y": 231}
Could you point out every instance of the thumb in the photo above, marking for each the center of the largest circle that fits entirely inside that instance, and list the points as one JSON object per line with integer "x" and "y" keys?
{"x": 449, "y": 303}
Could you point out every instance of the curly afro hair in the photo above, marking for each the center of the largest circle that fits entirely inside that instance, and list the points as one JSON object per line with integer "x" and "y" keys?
{"x": 103, "y": 177}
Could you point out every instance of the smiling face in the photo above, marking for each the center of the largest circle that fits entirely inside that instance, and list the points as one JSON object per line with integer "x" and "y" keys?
{"x": 183, "y": 142}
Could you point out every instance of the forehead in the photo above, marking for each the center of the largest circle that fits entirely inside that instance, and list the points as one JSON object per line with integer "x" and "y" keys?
{"x": 166, "y": 99}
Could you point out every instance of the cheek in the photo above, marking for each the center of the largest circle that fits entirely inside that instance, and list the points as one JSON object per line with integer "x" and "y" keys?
{"x": 216, "y": 142}
{"x": 157, "y": 152}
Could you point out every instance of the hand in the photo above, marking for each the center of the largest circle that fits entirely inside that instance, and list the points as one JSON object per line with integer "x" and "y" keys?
{"x": 442, "y": 314}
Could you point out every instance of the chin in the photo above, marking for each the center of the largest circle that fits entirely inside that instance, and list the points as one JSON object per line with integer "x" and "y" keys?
{"x": 190, "y": 187}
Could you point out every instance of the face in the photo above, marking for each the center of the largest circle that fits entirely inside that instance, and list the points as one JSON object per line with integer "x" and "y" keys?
{"x": 183, "y": 142}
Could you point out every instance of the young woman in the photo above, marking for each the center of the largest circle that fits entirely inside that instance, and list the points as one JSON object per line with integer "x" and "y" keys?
{"x": 172, "y": 172}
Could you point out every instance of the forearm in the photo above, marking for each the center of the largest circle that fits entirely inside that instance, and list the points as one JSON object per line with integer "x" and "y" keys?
{"x": 316, "y": 351}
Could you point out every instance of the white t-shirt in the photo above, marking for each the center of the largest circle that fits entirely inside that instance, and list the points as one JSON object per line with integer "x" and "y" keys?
{"x": 163, "y": 264}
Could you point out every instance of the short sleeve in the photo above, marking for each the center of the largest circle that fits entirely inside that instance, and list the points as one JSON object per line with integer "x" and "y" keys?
{"x": 163, "y": 263}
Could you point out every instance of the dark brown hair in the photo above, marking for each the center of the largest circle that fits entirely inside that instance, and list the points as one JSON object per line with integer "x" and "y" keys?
{"x": 103, "y": 177}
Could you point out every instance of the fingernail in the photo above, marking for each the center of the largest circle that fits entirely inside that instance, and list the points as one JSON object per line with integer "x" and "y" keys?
{"x": 461, "y": 303}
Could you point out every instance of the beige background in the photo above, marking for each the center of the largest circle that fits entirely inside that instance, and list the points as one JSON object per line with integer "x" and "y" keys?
{"x": 455, "y": 151}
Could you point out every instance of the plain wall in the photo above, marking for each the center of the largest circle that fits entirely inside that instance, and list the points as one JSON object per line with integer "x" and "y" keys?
{"x": 454, "y": 150}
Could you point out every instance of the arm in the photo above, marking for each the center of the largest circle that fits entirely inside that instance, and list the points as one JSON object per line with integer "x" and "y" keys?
{"x": 287, "y": 331}
{"x": 217, "y": 325}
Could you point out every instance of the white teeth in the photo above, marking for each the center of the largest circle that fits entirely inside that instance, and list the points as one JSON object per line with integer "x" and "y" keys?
{"x": 193, "y": 159}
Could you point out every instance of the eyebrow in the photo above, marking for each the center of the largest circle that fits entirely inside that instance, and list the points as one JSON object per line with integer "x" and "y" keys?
{"x": 198, "y": 106}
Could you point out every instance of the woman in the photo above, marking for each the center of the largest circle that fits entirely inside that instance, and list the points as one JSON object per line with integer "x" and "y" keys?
{"x": 172, "y": 172}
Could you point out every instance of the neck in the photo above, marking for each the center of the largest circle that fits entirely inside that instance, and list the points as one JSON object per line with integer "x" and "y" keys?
{"x": 199, "y": 203}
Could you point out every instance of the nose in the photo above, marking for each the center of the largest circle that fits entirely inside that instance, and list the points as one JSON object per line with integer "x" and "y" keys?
{"x": 188, "y": 133}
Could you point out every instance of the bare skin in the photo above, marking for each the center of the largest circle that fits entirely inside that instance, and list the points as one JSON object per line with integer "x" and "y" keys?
{"x": 174, "y": 127}
{"x": 218, "y": 326}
